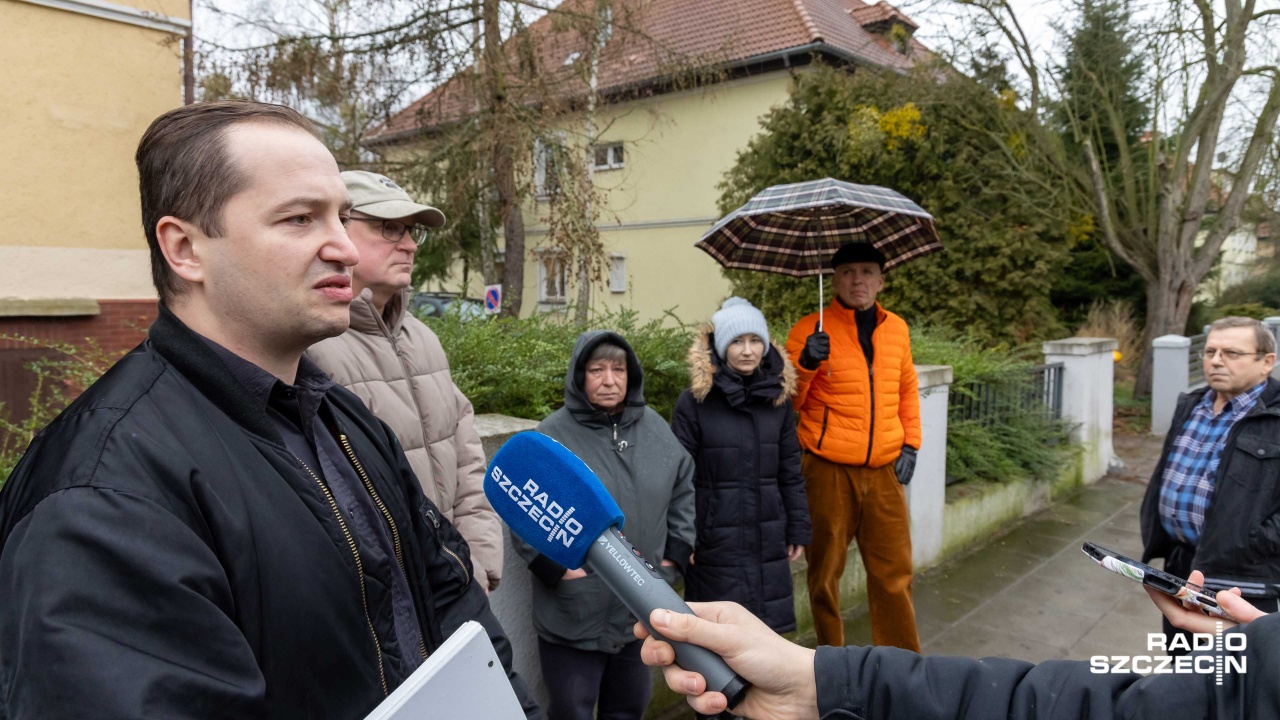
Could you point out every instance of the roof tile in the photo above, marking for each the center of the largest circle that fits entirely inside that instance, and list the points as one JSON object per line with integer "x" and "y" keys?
{"x": 666, "y": 32}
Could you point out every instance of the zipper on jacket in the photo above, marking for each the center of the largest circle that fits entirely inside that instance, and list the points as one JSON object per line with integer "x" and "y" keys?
{"x": 871, "y": 387}
{"x": 435, "y": 522}
{"x": 395, "y": 533}
{"x": 823, "y": 434}
{"x": 618, "y": 445}
{"x": 355, "y": 553}
{"x": 871, "y": 427}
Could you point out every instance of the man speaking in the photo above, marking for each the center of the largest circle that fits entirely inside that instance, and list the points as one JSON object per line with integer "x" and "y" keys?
{"x": 214, "y": 529}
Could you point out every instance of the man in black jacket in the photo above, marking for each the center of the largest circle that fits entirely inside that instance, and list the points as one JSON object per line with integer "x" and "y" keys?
{"x": 790, "y": 682}
{"x": 215, "y": 529}
{"x": 1213, "y": 502}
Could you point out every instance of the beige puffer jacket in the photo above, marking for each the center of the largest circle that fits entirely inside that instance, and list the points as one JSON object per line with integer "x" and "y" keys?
{"x": 398, "y": 367}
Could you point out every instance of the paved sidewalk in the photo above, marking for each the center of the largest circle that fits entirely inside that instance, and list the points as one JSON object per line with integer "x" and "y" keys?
{"x": 1031, "y": 593}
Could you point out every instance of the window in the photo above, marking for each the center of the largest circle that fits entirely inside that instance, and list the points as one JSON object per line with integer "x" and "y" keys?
{"x": 617, "y": 273}
{"x": 552, "y": 273}
{"x": 606, "y": 24}
{"x": 546, "y": 175}
{"x": 608, "y": 157}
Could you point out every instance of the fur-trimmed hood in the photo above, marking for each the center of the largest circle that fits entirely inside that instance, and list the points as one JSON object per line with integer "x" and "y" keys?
{"x": 704, "y": 364}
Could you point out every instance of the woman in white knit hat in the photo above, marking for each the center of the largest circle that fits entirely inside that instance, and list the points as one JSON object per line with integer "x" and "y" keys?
{"x": 737, "y": 423}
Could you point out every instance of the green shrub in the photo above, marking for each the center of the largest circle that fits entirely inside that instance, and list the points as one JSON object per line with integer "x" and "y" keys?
{"x": 517, "y": 366}
{"x": 1254, "y": 310}
{"x": 59, "y": 380}
{"x": 1262, "y": 289}
{"x": 1012, "y": 441}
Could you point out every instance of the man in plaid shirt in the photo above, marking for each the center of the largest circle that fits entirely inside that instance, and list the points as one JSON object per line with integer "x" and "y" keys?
{"x": 1213, "y": 503}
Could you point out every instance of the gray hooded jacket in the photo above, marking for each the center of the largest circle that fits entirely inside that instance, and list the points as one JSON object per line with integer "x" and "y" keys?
{"x": 647, "y": 472}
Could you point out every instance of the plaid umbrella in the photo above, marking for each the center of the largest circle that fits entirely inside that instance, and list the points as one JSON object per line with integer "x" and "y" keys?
{"x": 794, "y": 229}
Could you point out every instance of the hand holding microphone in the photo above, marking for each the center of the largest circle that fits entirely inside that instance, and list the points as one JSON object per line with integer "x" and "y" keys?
{"x": 780, "y": 672}
{"x": 552, "y": 500}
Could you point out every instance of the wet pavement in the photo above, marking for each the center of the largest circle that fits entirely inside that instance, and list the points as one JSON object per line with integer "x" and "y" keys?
{"x": 1031, "y": 593}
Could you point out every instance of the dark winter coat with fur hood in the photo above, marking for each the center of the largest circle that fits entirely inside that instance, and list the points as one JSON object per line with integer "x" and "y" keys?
{"x": 749, "y": 492}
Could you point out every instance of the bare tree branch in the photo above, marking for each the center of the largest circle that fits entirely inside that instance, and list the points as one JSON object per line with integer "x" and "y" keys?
{"x": 1229, "y": 216}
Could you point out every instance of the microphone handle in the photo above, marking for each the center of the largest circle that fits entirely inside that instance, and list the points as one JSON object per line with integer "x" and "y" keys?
{"x": 642, "y": 589}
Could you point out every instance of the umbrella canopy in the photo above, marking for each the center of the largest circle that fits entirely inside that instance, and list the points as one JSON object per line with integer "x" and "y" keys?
{"x": 794, "y": 229}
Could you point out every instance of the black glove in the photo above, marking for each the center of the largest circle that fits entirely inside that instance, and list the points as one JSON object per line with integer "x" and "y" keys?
{"x": 817, "y": 347}
{"x": 905, "y": 466}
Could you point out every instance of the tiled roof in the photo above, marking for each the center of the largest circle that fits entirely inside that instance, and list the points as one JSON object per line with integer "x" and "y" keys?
{"x": 880, "y": 12}
{"x": 665, "y": 33}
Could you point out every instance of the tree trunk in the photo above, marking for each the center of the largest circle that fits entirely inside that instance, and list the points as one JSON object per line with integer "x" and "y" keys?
{"x": 488, "y": 267}
{"x": 189, "y": 58}
{"x": 504, "y": 172}
{"x": 585, "y": 251}
{"x": 512, "y": 230}
{"x": 1168, "y": 309}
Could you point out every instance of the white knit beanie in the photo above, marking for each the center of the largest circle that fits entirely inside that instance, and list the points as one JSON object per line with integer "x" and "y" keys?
{"x": 737, "y": 317}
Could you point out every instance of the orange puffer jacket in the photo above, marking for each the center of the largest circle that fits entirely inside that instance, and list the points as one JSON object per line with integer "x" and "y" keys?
{"x": 847, "y": 416}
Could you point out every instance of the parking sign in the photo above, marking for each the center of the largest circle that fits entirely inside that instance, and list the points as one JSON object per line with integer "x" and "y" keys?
{"x": 492, "y": 299}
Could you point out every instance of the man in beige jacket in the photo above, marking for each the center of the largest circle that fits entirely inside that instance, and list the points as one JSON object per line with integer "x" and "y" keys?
{"x": 397, "y": 366}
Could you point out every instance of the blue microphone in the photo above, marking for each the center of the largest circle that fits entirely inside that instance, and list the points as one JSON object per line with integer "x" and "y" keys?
{"x": 552, "y": 500}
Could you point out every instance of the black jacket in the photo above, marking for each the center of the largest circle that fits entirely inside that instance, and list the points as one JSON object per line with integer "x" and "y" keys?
{"x": 870, "y": 683}
{"x": 162, "y": 555}
{"x": 1240, "y": 542}
{"x": 749, "y": 493}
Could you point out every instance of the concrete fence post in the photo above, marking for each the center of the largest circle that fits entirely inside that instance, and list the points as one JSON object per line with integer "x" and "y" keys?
{"x": 1170, "y": 377}
{"x": 510, "y": 602}
{"x": 1273, "y": 324}
{"x": 1088, "y": 375}
{"x": 927, "y": 493}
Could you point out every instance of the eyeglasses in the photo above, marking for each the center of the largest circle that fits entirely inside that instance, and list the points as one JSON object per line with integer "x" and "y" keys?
{"x": 393, "y": 230}
{"x": 1229, "y": 354}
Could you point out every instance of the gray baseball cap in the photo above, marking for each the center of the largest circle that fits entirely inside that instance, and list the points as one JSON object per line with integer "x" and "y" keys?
{"x": 379, "y": 196}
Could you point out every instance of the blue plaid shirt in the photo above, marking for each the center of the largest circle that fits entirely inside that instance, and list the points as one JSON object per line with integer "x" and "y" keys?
{"x": 1187, "y": 485}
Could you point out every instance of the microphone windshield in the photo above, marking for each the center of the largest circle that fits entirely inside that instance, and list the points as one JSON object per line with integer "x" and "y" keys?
{"x": 549, "y": 497}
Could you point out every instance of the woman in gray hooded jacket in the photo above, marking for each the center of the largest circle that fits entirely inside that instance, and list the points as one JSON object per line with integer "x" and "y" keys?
{"x": 585, "y": 643}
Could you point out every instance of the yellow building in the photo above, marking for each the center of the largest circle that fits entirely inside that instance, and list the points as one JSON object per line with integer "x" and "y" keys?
{"x": 82, "y": 80}
{"x": 664, "y": 153}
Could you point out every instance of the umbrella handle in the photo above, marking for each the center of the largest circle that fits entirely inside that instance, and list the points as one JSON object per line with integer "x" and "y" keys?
{"x": 821, "y": 306}
{"x": 820, "y": 294}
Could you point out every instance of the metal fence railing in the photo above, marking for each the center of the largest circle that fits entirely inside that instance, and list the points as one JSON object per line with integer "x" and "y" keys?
{"x": 1195, "y": 364}
{"x": 987, "y": 403}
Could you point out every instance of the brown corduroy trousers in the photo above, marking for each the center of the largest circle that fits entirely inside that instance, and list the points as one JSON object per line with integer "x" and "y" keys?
{"x": 869, "y": 506}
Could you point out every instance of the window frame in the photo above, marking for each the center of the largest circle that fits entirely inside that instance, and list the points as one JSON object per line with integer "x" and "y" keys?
{"x": 611, "y": 162}
{"x": 549, "y": 259}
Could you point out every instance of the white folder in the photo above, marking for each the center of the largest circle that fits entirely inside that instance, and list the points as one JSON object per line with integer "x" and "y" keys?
{"x": 463, "y": 678}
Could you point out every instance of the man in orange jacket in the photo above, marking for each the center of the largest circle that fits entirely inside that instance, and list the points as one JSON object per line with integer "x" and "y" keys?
{"x": 859, "y": 428}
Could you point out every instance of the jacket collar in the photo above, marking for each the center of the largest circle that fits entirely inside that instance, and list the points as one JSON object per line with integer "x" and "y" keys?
{"x": 705, "y": 368}
{"x": 198, "y": 363}
{"x": 365, "y": 317}
{"x": 1268, "y": 403}
{"x": 846, "y": 315}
